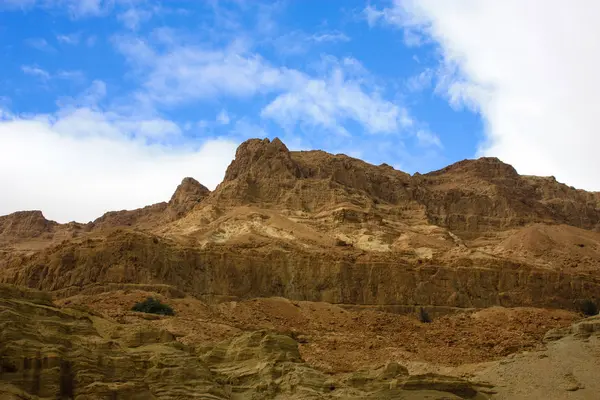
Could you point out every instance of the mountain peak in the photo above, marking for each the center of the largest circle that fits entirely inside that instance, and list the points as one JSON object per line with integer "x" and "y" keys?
{"x": 186, "y": 196}
{"x": 483, "y": 167}
{"x": 25, "y": 224}
{"x": 262, "y": 158}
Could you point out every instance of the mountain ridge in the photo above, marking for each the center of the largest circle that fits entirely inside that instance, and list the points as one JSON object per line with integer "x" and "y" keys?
{"x": 314, "y": 226}
{"x": 250, "y": 179}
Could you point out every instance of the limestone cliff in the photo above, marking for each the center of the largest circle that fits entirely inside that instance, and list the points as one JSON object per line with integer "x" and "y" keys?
{"x": 343, "y": 277}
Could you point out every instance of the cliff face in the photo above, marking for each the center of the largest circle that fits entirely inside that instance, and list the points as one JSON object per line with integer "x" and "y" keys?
{"x": 24, "y": 224}
{"x": 474, "y": 196}
{"x": 315, "y": 226}
{"x": 343, "y": 277}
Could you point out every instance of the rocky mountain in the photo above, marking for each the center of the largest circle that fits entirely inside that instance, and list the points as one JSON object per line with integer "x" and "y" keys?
{"x": 314, "y": 226}
{"x": 312, "y": 229}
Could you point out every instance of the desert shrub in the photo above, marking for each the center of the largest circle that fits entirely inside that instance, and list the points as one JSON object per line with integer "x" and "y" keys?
{"x": 153, "y": 306}
{"x": 342, "y": 243}
{"x": 589, "y": 307}
{"x": 424, "y": 316}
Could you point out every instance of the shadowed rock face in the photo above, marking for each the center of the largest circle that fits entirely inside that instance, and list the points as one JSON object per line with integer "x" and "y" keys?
{"x": 46, "y": 352}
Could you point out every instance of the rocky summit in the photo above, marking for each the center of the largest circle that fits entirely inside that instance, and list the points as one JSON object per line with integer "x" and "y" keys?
{"x": 310, "y": 275}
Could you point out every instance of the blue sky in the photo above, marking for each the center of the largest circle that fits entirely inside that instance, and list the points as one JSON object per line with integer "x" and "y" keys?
{"x": 112, "y": 102}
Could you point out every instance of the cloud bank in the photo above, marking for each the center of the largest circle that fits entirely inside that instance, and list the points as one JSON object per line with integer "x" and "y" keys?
{"x": 530, "y": 68}
{"x": 79, "y": 163}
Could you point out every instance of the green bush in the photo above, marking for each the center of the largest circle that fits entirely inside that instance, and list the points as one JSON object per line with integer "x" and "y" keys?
{"x": 153, "y": 306}
{"x": 424, "y": 316}
{"x": 589, "y": 308}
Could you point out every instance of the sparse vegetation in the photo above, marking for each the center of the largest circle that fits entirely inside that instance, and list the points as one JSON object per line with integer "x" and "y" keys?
{"x": 589, "y": 307}
{"x": 424, "y": 316}
{"x": 153, "y": 306}
{"x": 342, "y": 243}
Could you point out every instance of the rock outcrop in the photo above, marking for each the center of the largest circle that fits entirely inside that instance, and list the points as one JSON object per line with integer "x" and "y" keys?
{"x": 24, "y": 225}
{"x": 47, "y": 352}
{"x": 188, "y": 194}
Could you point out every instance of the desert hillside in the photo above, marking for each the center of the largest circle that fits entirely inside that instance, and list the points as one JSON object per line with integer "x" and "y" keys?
{"x": 300, "y": 276}
{"x": 320, "y": 227}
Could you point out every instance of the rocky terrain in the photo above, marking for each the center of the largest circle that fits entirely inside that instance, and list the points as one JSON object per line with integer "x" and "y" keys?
{"x": 300, "y": 276}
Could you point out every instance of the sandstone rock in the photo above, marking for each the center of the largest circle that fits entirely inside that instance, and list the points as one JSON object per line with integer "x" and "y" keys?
{"x": 187, "y": 195}
{"x": 47, "y": 352}
{"x": 25, "y": 224}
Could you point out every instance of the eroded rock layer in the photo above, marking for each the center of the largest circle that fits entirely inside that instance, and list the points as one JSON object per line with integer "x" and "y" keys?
{"x": 47, "y": 352}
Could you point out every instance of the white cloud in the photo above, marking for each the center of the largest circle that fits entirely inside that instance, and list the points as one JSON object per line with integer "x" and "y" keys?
{"x": 396, "y": 16}
{"x": 421, "y": 81}
{"x": 41, "y": 73}
{"x": 75, "y": 8}
{"x": 90, "y": 98}
{"x": 82, "y": 8}
{"x": 71, "y": 39}
{"x": 223, "y": 117}
{"x": 80, "y": 163}
{"x": 298, "y": 42}
{"x": 134, "y": 17}
{"x": 77, "y": 76}
{"x": 531, "y": 70}
{"x": 40, "y": 44}
{"x": 35, "y": 71}
{"x": 330, "y": 37}
{"x": 427, "y": 139}
{"x": 331, "y": 101}
{"x": 373, "y": 15}
{"x": 185, "y": 73}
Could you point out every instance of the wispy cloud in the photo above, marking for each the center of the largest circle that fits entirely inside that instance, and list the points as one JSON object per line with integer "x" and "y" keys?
{"x": 74, "y": 75}
{"x": 40, "y": 44}
{"x": 426, "y": 139}
{"x": 397, "y": 16}
{"x": 71, "y": 39}
{"x": 223, "y": 117}
{"x": 421, "y": 81}
{"x": 35, "y": 71}
{"x": 330, "y": 102}
{"x": 76, "y": 9}
{"x": 134, "y": 17}
{"x": 187, "y": 73}
{"x": 298, "y": 42}
{"x": 330, "y": 37}
{"x": 91, "y": 97}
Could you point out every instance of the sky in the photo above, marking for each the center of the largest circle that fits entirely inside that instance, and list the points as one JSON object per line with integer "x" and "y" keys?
{"x": 109, "y": 104}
